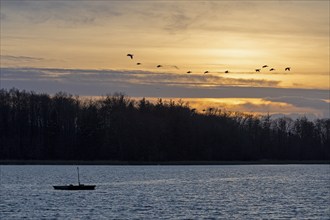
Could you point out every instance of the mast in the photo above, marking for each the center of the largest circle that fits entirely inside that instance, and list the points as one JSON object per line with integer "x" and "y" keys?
{"x": 78, "y": 176}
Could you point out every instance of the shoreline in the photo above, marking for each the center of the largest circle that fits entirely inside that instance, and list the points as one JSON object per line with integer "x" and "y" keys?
{"x": 137, "y": 163}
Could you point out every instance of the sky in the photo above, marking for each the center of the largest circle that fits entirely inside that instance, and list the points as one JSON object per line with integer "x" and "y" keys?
{"x": 80, "y": 47}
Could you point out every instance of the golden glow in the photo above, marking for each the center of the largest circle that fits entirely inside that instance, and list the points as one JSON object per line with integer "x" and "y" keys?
{"x": 255, "y": 106}
{"x": 213, "y": 36}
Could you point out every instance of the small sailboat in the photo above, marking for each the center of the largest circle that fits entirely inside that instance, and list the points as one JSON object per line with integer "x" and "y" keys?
{"x": 76, "y": 187}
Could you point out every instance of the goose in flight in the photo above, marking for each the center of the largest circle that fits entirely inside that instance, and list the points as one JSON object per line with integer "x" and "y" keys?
{"x": 189, "y": 71}
{"x": 264, "y": 66}
{"x": 287, "y": 68}
{"x": 206, "y": 72}
{"x": 226, "y": 71}
{"x": 271, "y": 69}
{"x": 158, "y": 66}
{"x": 138, "y": 63}
{"x": 257, "y": 70}
{"x": 130, "y": 55}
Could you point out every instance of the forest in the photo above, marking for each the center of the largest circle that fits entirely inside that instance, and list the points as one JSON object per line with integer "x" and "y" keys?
{"x": 118, "y": 128}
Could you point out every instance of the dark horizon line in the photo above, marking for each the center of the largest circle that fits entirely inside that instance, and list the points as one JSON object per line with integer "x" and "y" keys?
{"x": 162, "y": 163}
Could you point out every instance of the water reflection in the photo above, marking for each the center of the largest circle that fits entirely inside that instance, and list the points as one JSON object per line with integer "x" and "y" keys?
{"x": 167, "y": 192}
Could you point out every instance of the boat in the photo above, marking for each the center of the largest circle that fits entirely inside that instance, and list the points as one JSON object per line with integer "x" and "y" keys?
{"x": 76, "y": 187}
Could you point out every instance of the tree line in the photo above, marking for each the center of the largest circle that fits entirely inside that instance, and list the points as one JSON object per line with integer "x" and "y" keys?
{"x": 115, "y": 127}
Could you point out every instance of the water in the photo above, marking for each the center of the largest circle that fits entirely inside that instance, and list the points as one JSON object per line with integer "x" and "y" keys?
{"x": 167, "y": 192}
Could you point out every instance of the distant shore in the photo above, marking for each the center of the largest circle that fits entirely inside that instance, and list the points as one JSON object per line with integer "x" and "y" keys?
{"x": 104, "y": 162}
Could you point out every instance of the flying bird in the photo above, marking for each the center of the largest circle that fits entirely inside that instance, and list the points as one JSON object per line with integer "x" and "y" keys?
{"x": 206, "y": 72}
{"x": 264, "y": 66}
{"x": 287, "y": 69}
{"x": 257, "y": 70}
{"x": 226, "y": 71}
{"x": 158, "y": 66}
{"x": 271, "y": 69}
{"x": 130, "y": 55}
{"x": 138, "y": 63}
{"x": 189, "y": 71}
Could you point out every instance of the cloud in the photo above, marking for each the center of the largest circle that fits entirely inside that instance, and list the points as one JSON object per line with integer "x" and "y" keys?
{"x": 20, "y": 58}
{"x": 180, "y": 16}
{"x": 252, "y": 19}
{"x": 97, "y": 77}
{"x": 92, "y": 82}
{"x": 61, "y": 13}
{"x": 173, "y": 85}
{"x": 177, "y": 22}
{"x": 256, "y": 106}
{"x": 322, "y": 105}
{"x": 301, "y": 101}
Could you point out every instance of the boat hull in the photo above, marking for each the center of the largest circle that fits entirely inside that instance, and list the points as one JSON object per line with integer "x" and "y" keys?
{"x": 75, "y": 187}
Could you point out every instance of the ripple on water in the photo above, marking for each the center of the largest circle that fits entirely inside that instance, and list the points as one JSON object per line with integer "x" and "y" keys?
{"x": 168, "y": 192}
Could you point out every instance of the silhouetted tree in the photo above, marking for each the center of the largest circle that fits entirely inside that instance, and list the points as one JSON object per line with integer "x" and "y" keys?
{"x": 115, "y": 127}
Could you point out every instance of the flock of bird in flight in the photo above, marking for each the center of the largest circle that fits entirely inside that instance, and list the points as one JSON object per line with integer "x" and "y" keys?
{"x": 257, "y": 70}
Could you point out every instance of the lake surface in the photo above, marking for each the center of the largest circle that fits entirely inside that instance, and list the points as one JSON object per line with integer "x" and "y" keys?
{"x": 167, "y": 192}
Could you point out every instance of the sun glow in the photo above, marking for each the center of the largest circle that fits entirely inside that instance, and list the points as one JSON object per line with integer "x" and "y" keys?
{"x": 255, "y": 106}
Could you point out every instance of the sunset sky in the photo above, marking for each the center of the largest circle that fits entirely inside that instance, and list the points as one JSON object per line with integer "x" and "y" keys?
{"x": 80, "y": 47}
